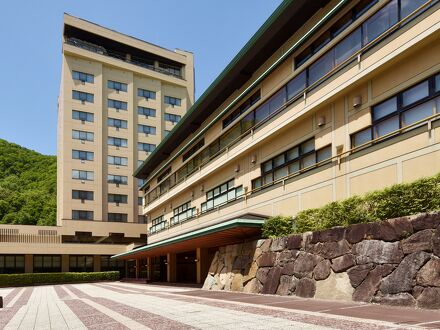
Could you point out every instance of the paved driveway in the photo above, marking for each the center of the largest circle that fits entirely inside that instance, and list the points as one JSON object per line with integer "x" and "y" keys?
{"x": 116, "y": 305}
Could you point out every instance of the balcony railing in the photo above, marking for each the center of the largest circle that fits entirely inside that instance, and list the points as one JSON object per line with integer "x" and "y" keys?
{"x": 163, "y": 68}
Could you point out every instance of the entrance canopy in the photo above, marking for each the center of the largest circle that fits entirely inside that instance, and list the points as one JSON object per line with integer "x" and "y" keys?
{"x": 229, "y": 232}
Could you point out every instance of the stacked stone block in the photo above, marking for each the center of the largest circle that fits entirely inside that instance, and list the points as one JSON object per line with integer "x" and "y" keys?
{"x": 395, "y": 262}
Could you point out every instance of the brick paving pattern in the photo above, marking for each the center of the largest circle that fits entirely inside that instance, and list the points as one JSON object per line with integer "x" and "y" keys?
{"x": 118, "y": 305}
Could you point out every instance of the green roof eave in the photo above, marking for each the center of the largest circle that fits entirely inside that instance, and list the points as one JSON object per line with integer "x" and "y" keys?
{"x": 234, "y": 223}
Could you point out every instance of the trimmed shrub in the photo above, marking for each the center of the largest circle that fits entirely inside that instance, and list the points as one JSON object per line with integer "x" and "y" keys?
{"x": 55, "y": 278}
{"x": 396, "y": 201}
{"x": 277, "y": 226}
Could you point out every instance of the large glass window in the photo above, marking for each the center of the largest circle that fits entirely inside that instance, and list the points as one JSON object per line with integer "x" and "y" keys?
{"x": 11, "y": 264}
{"x": 117, "y": 86}
{"x": 83, "y": 116}
{"x": 83, "y": 77}
{"x": 81, "y": 263}
{"x": 361, "y": 137}
{"x": 380, "y": 22}
{"x": 47, "y": 263}
{"x": 250, "y": 101}
{"x": 415, "y": 93}
{"x": 296, "y": 85}
{"x": 385, "y": 108}
{"x": 408, "y": 6}
{"x": 321, "y": 67}
{"x": 348, "y": 46}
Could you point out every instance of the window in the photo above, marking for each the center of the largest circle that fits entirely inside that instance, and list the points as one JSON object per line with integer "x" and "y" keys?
{"x": 140, "y": 183}
{"x": 82, "y": 76}
{"x": 250, "y": 101}
{"x": 82, "y": 135}
{"x": 172, "y": 100}
{"x": 82, "y": 195}
{"x": 408, "y": 107}
{"x": 147, "y": 112}
{"x": 148, "y": 147}
{"x": 193, "y": 149}
{"x": 11, "y": 264}
{"x": 146, "y": 93}
{"x": 408, "y": 6}
{"x": 82, "y": 96}
{"x": 47, "y": 264}
{"x": 117, "y": 86}
{"x": 118, "y": 105}
{"x": 117, "y": 179}
{"x": 115, "y": 160}
{"x": 172, "y": 118}
{"x": 146, "y": 129}
{"x": 415, "y": 93}
{"x": 163, "y": 175}
{"x": 82, "y": 155}
{"x": 321, "y": 67}
{"x": 291, "y": 161}
{"x": 171, "y": 69}
{"x": 81, "y": 263}
{"x": 83, "y": 116}
{"x": 361, "y": 137}
{"x": 82, "y": 215}
{"x": 380, "y": 22}
{"x": 108, "y": 264}
{"x": 117, "y": 217}
{"x": 118, "y": 123}
{"x": 339, "y": 26}
{"x": 158, "y": 224}
{"x": 348, "y": 46}
{"x": 82, "y": 175}
{"x": 437, "y": 83}
{"x": 182, "y": 213}
{"x": 118, "y": 142}
{"x": 296, "y": 85}
{"x": 221, "y": 195}
{"x": 140, "y": 201}
{"x": 117, "y": 198}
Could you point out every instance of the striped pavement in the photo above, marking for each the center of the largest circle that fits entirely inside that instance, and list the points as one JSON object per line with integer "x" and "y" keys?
{"x": 116, "y": 305}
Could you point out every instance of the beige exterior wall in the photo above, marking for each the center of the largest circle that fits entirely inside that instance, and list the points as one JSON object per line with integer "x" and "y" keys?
{"x": 408, "y": 56}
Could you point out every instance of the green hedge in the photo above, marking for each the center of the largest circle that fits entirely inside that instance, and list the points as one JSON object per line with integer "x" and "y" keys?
{"x": 55, "y": 278}
{"x": 396, "y": 201}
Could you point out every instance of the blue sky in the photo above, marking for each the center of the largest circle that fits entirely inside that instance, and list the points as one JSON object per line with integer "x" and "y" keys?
{"x": 30, "y": 57}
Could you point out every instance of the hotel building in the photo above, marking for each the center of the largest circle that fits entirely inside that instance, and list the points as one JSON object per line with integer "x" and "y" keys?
{"x": 329, "y": 99}
{"x": 119, "y": 97}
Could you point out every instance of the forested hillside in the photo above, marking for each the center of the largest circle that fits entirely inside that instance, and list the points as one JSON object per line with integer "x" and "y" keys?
{"x": 27, "y": 186}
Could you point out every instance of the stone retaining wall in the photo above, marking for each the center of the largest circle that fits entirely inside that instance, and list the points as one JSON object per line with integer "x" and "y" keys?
{"x": 392, "y": 262}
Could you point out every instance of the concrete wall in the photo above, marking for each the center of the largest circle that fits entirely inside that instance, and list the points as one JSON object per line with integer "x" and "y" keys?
{"x": 394, "y": 262}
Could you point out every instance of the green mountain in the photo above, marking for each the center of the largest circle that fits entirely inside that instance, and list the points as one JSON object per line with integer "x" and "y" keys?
{"x": 27, "y": 186}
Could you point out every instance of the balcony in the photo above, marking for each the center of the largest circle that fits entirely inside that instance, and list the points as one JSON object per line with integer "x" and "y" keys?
{"x": 163, "y": 68}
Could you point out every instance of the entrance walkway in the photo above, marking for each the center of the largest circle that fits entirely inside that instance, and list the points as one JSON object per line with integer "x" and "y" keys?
{"x": 117, "y": 305}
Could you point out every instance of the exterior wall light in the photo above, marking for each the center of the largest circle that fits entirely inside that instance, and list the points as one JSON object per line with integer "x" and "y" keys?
{"x": 357, "y": 101}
